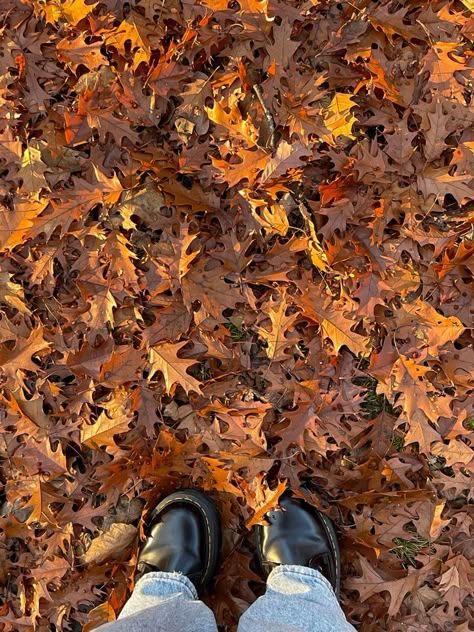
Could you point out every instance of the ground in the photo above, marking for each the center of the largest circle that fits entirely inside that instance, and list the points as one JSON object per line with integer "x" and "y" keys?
{"x": 236, "y": 254}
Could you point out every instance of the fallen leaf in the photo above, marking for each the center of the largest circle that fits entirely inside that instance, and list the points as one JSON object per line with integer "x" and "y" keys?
{"x": 338, "y": 117}
{"x": 111, "y": 545}
{"x": 163, "y": 358}
{"x": 266, "y": 500}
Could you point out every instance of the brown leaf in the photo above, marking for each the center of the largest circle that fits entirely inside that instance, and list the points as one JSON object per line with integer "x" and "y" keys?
{"x": 333, "y": 324}
{"x": 163, "y": 358}
{"x": 16, "y": 361}
{"x": 252, "y": 164}
{"x": 371, "y": 583}
{"x": 102, "y": 432}
{"x": 266, "y": 500}
{"x": 438, "y": 183}
{"x": 111, "y": 545}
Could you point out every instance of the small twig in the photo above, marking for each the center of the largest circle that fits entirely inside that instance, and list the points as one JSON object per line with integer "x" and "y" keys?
{"x": 268, "y": 115}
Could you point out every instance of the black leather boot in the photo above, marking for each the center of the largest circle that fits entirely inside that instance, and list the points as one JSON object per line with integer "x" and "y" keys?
{"x": 184, "y": 537}
{"x": 300, "y": 534}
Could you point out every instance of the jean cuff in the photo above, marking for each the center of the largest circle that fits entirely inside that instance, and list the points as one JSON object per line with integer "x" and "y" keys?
{"x": 303, "y": 574}
{"x": 164, "y": 584}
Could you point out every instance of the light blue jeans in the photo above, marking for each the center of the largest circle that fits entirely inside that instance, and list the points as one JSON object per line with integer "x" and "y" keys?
{"x": 298, "y": 599}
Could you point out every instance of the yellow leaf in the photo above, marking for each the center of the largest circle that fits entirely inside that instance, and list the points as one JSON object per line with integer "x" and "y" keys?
{"x": 246, "y": 6}
{"x": 77, "y": 51}
{"x": 431, "y": 328}
{"x": 437, "y": 523}
{"x": 32, "y": 171}
{"x": 110, "y": 188}
{"x": 469, "y": 4}
{"x": 76, "y": 10}
{"x": 232, "y": 120}
{"x": 273, "y": 218}
{"x": 318, "y": 256}
{"x": 71, "y": 10}
{"x": 254, "y": 6}
{"x": 12, "y": 293}
{"x": 135, "y": 30}
{"x": 98, "y": 616}
{"x": 276, "y": 339}
{"x": 15, "y": 225}
{"x": 338, "y": 118}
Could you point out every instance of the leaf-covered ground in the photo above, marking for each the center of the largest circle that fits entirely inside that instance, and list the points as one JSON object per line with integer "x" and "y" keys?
{"x": 236, "y": 254}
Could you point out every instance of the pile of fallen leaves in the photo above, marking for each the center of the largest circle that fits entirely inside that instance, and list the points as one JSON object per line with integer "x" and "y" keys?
{"x": 236, "y": 254}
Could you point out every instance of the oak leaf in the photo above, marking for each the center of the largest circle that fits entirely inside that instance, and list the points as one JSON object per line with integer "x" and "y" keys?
{"x": 124, "y": 365}
{"x": 73, "y": 10}
{"x": 277, "y": 342}
{"x": 334, "y": 325}
{"x": 15, "y": 224}
{"x": 111, "y": 545}
{"x": 371, "y": 583}
{"x": 236, "y": 250}
{"x": 252, "y": 163}
{"x": 455, "y": 581}
{"x": 431, "y": 328}
{"x": 14, "y": 362}
{"x": 136, "y": 31}
{"x": 102, "y": 432}
{"x": 455, "y": 452}
{"x": 170, "y": 321}
{"x": 221, "y": 478}
{"x": 287, "y": 156}
{"x": 90, "y": 359}
{"x": 39, "y": 457}
{"x": 435, "y": 135}
{"x": 272, "y": 217}
{"x": 32, "y": 498}
{"x": 439, "y": 182}
{"x": 338, "y": 117}
{"x": 101, "y": 614}
{"x": 418, "y": 406}
{"x": 230, "y": 118}
{"x": 32, "y": 171}
{"x": 164, "y": 358}
{"x": 265, "y": 500}
{"x": 12, "y": 293}
{"x": 77, "y": 51}
{"x": 442, "y": 63}
{"x": 210, "y": 288}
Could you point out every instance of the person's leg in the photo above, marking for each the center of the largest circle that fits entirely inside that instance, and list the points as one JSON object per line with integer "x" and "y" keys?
{"x": 178, "y": 559}
{"x": 299, "y": 553}
{"x": 163, "y": 602}
{"x": 297, "y": 599}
